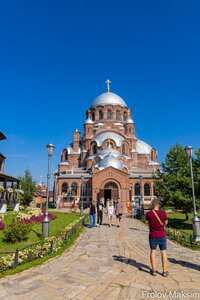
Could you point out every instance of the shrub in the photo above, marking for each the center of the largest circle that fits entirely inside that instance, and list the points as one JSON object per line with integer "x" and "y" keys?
{"x": 16, "y": 231}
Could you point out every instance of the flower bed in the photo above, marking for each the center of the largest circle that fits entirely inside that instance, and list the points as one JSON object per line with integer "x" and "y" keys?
{"x": 182, "y": 237}
{"x": 51, "y": 244}
{"x": 34, "y": 215}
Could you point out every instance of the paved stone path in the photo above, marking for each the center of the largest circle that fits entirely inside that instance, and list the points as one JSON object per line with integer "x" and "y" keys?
{"x": 107, "y": 264}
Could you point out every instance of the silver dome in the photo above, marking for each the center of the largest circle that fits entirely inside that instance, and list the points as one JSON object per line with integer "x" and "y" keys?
{"x": 112, "y": 151}
{"x": 110, "y": 161}
{"x": 118, "y": 139}
{"x": 89, "y": 121}
{"x": 109, "y": 99}
{"x": 142, "y": 147}
{"x": 129, "y": 121}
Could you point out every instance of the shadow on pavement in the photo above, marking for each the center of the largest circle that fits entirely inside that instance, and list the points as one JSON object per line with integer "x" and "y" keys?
{"x": 185, "y": 264}
{"x": 133, "y": 228}
{"x": 140, "y": 266}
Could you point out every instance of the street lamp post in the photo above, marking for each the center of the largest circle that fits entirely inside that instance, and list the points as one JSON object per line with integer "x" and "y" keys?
{"x": 46, "y": 221}
{"x": 81, "y": 210}
{"x": 141, "y": 193}
{"x": 196, "y": 221}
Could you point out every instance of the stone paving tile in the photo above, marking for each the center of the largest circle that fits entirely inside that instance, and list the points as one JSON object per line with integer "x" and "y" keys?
{"x": 106, "y": 264}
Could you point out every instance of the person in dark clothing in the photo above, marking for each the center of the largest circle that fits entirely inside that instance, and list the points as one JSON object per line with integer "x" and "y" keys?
{"x": 92, "y": 215}
{"x": 118, "y": 211}
{"x": 157, "y": 220}
{"x": 100, "y": 207}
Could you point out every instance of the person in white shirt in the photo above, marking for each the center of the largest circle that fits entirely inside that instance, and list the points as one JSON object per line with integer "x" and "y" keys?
{"x": 111, "y": 211}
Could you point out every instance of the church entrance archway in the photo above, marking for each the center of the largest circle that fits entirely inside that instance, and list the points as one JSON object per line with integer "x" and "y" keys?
{"x": 110, "y": 191}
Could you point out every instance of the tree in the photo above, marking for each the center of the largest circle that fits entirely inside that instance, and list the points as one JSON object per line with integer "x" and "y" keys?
{"x": 28, "y": 185}
{"x": 173, "y": 185}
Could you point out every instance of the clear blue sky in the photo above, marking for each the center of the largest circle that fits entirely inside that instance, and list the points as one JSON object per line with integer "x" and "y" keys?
{"x": 56, "y": 55}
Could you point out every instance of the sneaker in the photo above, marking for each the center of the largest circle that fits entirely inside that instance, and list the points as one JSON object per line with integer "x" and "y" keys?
{"x": 97, "y": 225}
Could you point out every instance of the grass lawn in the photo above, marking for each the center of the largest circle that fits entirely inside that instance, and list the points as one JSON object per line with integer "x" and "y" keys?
{"x": 63, "y": 219}
{"x": 177, "y": 221}
{"x": 41, "y": 260}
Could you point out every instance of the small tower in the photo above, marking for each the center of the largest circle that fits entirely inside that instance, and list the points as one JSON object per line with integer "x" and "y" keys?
{"x": 88, "y": 126}
{"x": 129, "y": 125}
{"x": 76, "y": 140}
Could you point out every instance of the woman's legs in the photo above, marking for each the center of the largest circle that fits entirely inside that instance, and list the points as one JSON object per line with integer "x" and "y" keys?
{"x": 110, "y": 219}
{"x": 118, "y": 220}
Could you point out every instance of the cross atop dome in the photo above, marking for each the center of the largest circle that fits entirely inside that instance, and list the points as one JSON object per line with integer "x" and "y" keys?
{"x": 108, "y": 82}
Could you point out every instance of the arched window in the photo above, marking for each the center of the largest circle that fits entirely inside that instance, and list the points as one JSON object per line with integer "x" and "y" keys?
{"x": 64, "y": 187}
{"x": 100, "y": 115}
{"x": 124, "y": 149}
{"x": 117, "y": 115}
{"x": 66, "y": 155}
{"x": 147, "y": 189}
{"x": 83, "y": 189}
{"x": 93, "y": 116}
{"x": 124, "y": 116}
{"x": 137, "y": 189}
{"x": 109, "y": 114}
{"x": 129, "y": 130}
{"x": 94, "y": 148}
{"x": 74, "y": 188}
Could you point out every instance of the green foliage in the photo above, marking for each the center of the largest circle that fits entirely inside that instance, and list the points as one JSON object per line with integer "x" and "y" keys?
{"x": 16, "y": 231}
{"x": 34, "y": 236}
{"x": 173, "y": 185}
{"x": 28, "y": 186}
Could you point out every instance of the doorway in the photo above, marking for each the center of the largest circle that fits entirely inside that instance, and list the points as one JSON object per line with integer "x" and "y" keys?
{"x": 107, "y": 195}
{"x": 110, "y": 191}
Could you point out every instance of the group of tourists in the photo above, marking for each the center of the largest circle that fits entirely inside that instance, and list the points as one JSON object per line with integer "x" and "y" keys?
{"x": 155, "y": 218}
{"x": 113, "y": 208}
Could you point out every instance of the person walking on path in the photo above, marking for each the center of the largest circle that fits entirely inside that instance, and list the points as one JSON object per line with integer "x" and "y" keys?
{"x": 128, "y": 205}
{"x": 118, "y": 211}
{"x": 92, "y": 215}
{"x": 100, "y": 207}
{"x": 111, "y": 211}
{"x": 157, "y": 220}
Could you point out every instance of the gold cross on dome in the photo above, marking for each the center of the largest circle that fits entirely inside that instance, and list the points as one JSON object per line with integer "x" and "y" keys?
{"x": 108, "y": 82}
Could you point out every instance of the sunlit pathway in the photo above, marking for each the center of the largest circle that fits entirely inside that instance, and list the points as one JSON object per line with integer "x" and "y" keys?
{"x": 107, "y": 263}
